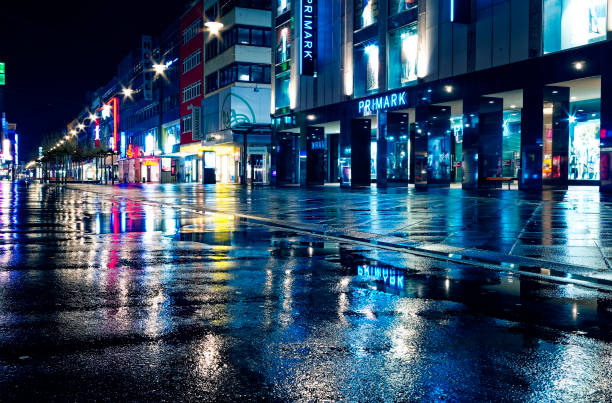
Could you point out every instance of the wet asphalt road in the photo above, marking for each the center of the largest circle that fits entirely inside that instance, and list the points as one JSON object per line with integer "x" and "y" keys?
{"x": 112, "y": 300}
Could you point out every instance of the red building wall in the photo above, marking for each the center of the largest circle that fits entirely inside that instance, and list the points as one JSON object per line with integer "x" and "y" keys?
{"x": 197, "y": 73}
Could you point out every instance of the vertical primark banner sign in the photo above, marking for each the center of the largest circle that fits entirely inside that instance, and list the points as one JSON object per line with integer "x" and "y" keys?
{"x": 308, "y": 37}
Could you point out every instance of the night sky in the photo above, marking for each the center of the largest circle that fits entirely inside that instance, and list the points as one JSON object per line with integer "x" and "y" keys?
{"x": 57, "y": 51}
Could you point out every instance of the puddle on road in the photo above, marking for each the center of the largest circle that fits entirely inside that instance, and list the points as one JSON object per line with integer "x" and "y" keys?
{"x": 500, "y": 295}
{"x": 494, "y": 294}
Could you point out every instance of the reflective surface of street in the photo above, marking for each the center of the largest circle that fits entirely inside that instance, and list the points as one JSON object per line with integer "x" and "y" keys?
{"x": 112, "y": 298}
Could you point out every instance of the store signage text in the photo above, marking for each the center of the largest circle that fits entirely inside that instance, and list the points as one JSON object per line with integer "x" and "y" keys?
{"x": 384, "y": 102}
{"x": 149, "y": 163}
{"x": 317, "y": 145}
{"x": 132, "y": 152}
{"x": 308, "y": 38}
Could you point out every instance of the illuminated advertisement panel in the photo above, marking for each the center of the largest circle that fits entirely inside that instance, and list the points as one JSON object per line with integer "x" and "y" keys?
{"x": 584, "y": 151}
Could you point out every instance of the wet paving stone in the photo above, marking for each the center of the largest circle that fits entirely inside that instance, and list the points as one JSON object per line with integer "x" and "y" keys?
{"x": 104, "y": 298}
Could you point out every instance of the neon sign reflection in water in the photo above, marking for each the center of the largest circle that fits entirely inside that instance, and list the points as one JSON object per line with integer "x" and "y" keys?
{"x": 388, "y": 275}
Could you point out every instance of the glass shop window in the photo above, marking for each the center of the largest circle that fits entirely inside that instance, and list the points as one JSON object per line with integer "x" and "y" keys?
{"x": 571, "y": 23}
{"x": 282, "y": 6}
{"x": 366, "y": 13}
{"x": 281, "y": 90}
{"x": 584, "y": 139}
{"x": 403, "y": 51}
{"x": 243, "y": 36}
{"x": 399, "y": 6}
{"x": 366, "y": 68}
{"x": 283, "y": 43}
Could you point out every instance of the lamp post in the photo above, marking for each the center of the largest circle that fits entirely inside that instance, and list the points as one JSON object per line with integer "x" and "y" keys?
{"x": 160, "y": 71}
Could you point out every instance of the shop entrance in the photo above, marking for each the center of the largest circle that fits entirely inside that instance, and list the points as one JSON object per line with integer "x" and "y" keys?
{"x": 257, "y": 165}
{"x": 398, "y": 147}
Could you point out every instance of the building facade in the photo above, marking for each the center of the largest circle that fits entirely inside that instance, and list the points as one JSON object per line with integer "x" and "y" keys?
{"x": 191, "y": 81}
{"x": 149, "y": 110}
{"x": 9, "y": 149}
{"x": 236, "y": 112}
{"x": 442, "y": 92}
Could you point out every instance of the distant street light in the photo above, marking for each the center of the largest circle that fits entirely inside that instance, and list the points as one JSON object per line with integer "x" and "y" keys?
{"x": 214, "y": 27}
{"x": 159, "y": 69}
{"x": 127, "y": 92}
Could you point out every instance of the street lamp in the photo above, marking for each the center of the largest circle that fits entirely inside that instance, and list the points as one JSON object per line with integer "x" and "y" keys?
{"x": 127, "y": 92}
{"x": 214, "y": 27}
{"x": 159, "y": 69}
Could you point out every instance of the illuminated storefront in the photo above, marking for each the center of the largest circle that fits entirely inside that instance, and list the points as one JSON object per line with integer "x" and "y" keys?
{"x": 490, "y": 101}
{"x": 191, "y": 170}
{"x": 223, "y": 159}
{"x": 511, "y": 156}
{"x": 150, "y": 168}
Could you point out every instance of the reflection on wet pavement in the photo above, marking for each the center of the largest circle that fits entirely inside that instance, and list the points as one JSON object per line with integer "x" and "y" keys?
{"x": 109, "y": 299}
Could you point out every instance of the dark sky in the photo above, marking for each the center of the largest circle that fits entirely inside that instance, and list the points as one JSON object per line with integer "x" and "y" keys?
{"x": 56, "y": 51}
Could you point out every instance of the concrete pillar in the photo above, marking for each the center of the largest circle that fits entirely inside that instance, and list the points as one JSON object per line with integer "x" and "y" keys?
{"x": 558, "y": 97}
{"x": 344, "y": 150}
{"x": 381, "y": 156}
{"x": 360, "y": 152}
{"x": 605, "y": 168}
{"x": 532, "y": 124}
{"x": 315, "y": 156}
{"x": 490, "y": 139}
{"x": 383, "y": 32}
{"x": 303, "y": 155}
{"x": 469, "y": 163}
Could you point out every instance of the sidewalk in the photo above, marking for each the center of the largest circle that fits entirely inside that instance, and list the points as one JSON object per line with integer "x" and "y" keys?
{"x": 566, "y": 232}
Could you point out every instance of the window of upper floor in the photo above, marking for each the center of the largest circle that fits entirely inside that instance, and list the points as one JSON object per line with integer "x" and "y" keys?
{"x": 283, "y": 43}
{"x": 282, "y": 6}
{"x": 191, "y": 31}
{"x": 366, "y": 13}
{"x": 192, "y": 61}
{"x": 399, "y": 6}
{"x": 228, "y": 5}
{"x": 570, "y": 23}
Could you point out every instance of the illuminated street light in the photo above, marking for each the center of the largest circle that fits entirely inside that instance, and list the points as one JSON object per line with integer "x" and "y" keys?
{"x": 214, "y": 27}
{"x": 159, "y": 69}
{"x": 127, "y": 92}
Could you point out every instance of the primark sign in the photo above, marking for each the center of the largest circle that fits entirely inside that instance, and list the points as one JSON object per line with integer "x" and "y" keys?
{"x": 308, "y": 37}
{"x": 383, "y": 102}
